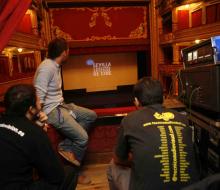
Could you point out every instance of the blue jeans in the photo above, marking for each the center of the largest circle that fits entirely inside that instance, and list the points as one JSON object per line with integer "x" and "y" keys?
{"x": 73, "y": 122}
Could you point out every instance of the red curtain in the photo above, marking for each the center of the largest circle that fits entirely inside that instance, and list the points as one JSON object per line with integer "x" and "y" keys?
{"x": 197, "y": 18}
{"x": 25, "y": 25}
{"x": 11, "y": 14}
{"x": 183, "y": 19}
{"x": 218, "y": 12}
{"x": 211, "y": 14}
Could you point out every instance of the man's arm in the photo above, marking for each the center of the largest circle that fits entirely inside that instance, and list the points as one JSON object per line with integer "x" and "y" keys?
{"x": 126, "y": 162}
{"x": 42, "y": 78}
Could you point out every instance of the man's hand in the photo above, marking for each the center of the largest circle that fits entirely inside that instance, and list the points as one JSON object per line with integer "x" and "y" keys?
{"x": 42, "y": 117}
{"x": 124, "y": 163}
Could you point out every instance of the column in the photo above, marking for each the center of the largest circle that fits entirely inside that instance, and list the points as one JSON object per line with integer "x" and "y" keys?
{"x": 176, "y": 54}
{"x": 154, "y": 38}
{"x": 46, "y": 28}
{"x": 37, "y": 58}
{"x": 10, "y": 63}
{"x": 174, "y": 20}
{"x": 34, "y": 21}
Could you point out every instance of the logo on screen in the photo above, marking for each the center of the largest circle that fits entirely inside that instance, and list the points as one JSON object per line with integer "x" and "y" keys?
{"x": 90, "y": 62}
{"x": 100, "y": 69}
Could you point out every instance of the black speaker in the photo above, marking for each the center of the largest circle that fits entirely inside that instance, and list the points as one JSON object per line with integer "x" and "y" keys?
{"x": 199, "y": 87}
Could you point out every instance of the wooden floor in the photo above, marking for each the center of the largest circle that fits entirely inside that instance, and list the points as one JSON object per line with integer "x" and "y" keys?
{"x": 97, "y": 173}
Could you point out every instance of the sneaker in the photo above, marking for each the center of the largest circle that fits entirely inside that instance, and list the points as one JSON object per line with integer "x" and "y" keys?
{"x": 69, "y": 156}
{"x": 84, "y": 180}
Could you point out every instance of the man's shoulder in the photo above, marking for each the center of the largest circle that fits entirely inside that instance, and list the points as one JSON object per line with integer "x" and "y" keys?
{"x": 20, "y": 126}
{"x": 148, "y": 113}
{"x": 33, "y": 132}
{"x": 133, "y": 116}
{"x": 137, "y": 113}
{"x": 45, "y": 69}
{"x": 47, "y": 64}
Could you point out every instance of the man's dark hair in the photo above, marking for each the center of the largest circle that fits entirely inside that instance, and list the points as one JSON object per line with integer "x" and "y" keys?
{"x": 19, "y": 98}
{"x": 148, "y": 91}
{"x": 56, "y": 47}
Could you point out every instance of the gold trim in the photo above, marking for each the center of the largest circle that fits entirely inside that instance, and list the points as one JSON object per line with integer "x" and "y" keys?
{"x": 100, "y": 12}
{"x": 106, "y": 17}
{"x": 108, "y": 37}
{"x": 139, "y": 32}
{"x": 59, "y": 33}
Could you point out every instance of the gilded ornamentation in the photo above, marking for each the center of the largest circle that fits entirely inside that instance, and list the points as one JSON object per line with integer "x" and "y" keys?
{"x": 100, "y": 12}
{"x": 139, "y": 32}
{"x": 59, "y": 33}
{"x": 94, "y": 38}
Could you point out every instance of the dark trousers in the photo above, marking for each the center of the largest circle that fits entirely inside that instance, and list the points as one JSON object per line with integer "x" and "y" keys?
{"x": 69, "y": 183}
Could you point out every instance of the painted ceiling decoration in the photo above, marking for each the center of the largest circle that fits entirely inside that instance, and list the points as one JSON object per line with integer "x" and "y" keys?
{"x": 100, "y": 23}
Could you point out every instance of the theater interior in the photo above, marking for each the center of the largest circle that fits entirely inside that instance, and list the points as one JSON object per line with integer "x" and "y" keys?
{"x": 112, "y": 44}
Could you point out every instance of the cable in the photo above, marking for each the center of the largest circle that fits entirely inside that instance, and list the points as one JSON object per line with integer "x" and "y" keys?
{"x": 181, "y": 84}
{"x": 190, "y": 98}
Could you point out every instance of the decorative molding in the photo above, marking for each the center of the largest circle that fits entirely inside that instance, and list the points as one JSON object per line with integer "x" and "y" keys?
{"x": 100, "y": 12}
{"x": 85, "y": 3}
{"x": 109, "y": 43}
{"x": 212, "y": 2}
{"x": 139, "y": 33}
{"x": 169, "y": 69}
{"x": 94, "y": 38}
{"x": 25, "y": 41}
{"x": 57, "y": 32}
{"x": 166, "y": 38}
{"x": 201, "y": 32}
{"x": 92, "y": 1}
{"x": 191, "y": 34}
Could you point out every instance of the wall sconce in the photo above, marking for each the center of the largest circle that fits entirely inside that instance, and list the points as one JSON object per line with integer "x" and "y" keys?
{"x": 186, "y": 6}
{"x": 197, "y": 41}
{"x": 20, "y": 50}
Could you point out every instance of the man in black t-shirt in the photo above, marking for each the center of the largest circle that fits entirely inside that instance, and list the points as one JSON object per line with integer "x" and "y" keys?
{"x": 154, "y": 150}
{"x": 25, "y": 146}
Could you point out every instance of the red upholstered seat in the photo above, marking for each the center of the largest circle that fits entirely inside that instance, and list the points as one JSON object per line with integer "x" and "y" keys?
{"x": 113, "y": 111}
{"x": 2, "y": 109}
{"x": 102, "y": 138}
{"x": 54, "y": 136}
